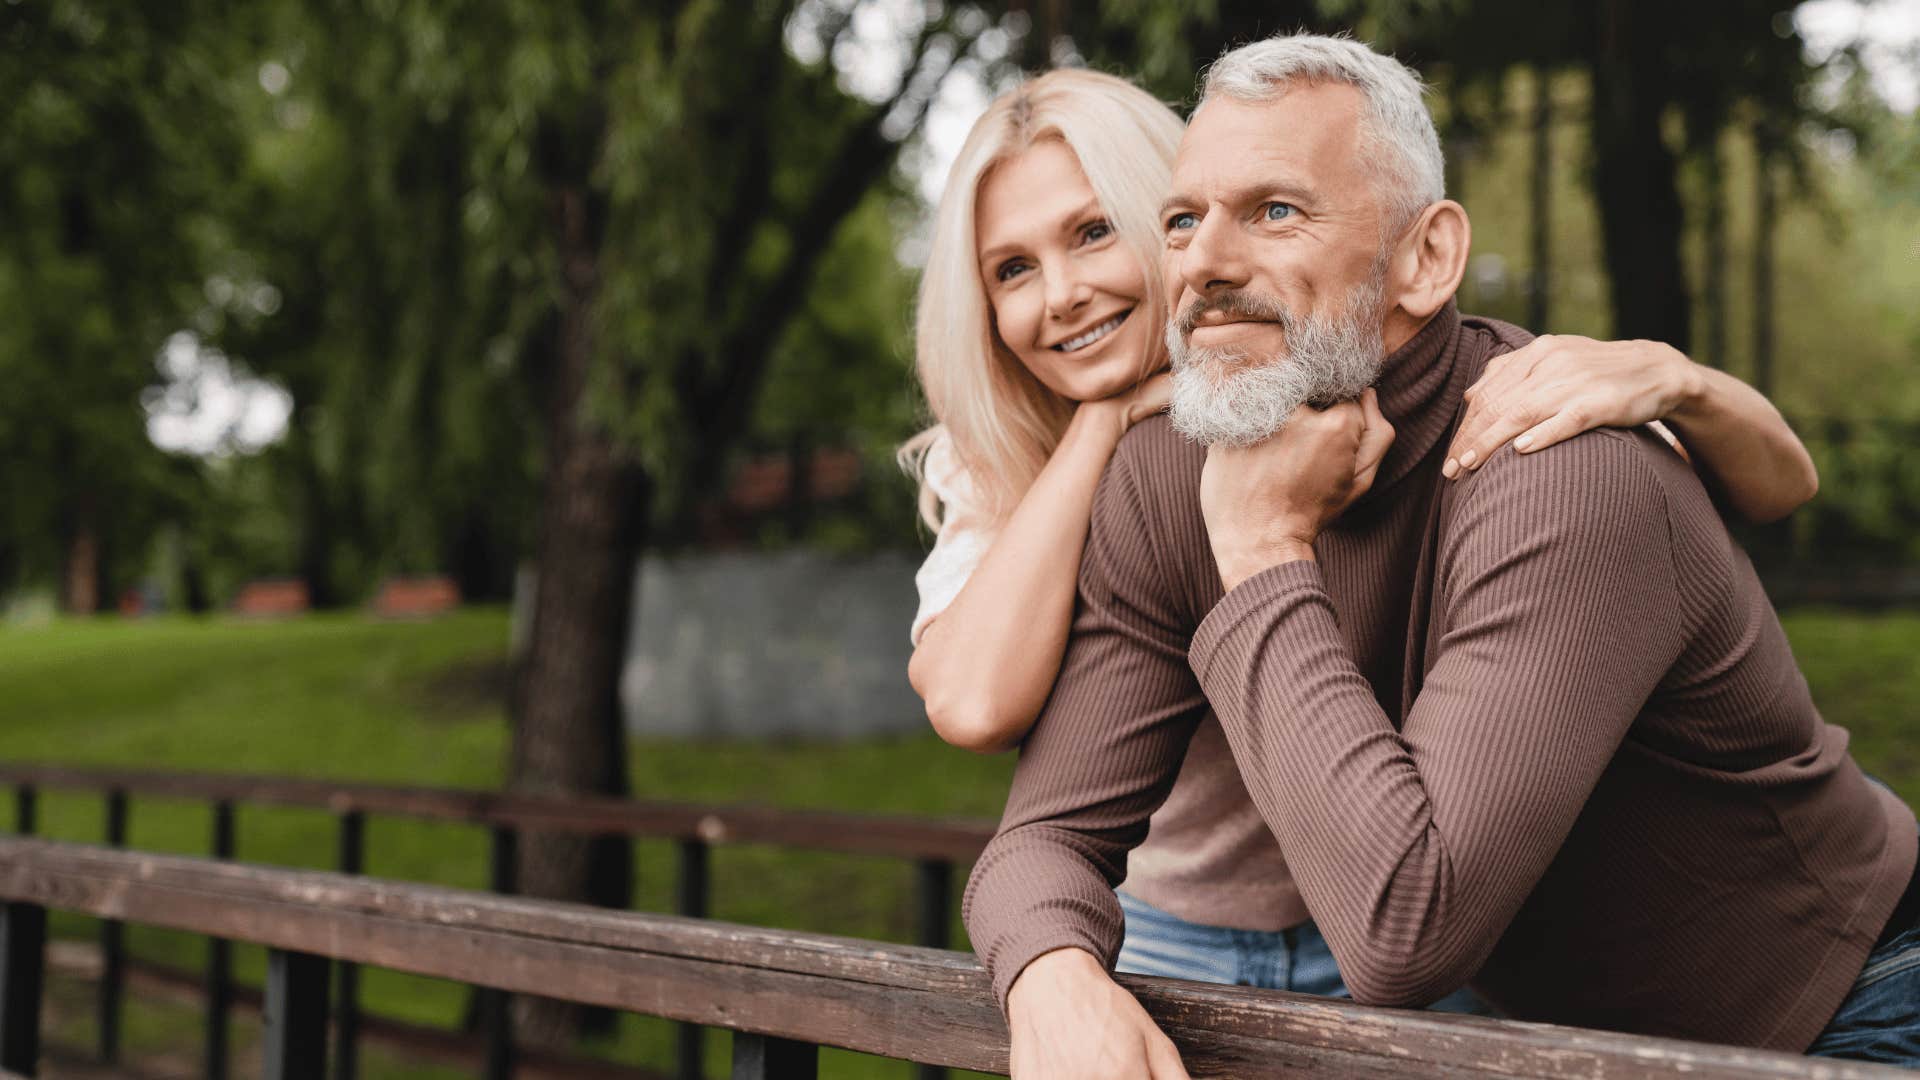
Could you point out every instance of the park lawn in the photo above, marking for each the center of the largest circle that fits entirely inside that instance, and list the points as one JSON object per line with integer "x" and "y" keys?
{"x": 345, "y": 696}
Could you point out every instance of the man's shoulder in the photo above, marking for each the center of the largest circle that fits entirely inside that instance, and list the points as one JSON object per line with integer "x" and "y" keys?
{"x": 1156, "y": 459}
{"x": 1496, "y": 335}
{"x": 1601, "y": 487}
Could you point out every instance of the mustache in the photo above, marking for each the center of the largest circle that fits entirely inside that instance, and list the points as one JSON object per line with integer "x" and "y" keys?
{"x": 1244, "y": 303}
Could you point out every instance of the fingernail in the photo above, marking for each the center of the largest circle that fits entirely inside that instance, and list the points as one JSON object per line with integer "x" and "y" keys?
{"x": 1469, "y": 457}
{"x": 1450, "y": 469}
{"x": 1523, "y": 442}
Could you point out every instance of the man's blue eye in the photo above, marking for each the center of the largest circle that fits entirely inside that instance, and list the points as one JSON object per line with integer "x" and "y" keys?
{"x": 1099, "y": 230}
{"x": 1183, "y": 221}
{"x": 1278, "y": 211}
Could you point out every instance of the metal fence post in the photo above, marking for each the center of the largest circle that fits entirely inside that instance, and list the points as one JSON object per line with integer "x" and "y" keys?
{"x": 294, "y": 1042}
{"x": 691, "y": 894}
{"x": 25, "y": 819}
{"x": 346, "y": 1008}
{"x": 113, "y": 960}
{"x": 23, "y": 967}
{"x": 496, "y": 1006}
{"x": 219, "y": 960}
{"x": 763, "y": 1057}
{"x": 933, "y": 884}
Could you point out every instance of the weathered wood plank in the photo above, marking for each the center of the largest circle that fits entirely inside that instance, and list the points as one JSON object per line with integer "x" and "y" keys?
{"x": 906, "y": 837}
{"x": 918, "y": 1004}
{"x": 417, "y": 1042}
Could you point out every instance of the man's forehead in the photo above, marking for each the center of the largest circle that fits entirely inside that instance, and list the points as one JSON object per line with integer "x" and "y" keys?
{"x": 1313, "y": 128}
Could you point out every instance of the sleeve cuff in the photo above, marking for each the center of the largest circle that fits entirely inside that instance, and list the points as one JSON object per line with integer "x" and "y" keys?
{"x": 1246, "y": 600}
{"x": 1017, "y": 951}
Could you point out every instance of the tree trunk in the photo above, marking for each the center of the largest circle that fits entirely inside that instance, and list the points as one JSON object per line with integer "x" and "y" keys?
{"x": 1764, "y": 211}
{"x": 1635, "y": 177}
{"x": 1713, "y": 279}
{"x": 1539, "y": 281}
{"x": 316, "y": 526}
{"x": 568, "y": 738}
{"x": 80, "y": 576}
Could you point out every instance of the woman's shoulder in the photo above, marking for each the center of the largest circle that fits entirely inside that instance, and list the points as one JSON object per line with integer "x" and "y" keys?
{"x": 947, "y": 475}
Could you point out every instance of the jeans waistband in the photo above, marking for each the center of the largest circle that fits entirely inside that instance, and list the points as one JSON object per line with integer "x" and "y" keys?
{"x": 1906, "y": 913}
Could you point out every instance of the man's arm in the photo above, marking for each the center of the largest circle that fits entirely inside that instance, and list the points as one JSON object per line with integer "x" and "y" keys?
{"x": 1416, "y": 847}
{"x": 1102, "y": 757}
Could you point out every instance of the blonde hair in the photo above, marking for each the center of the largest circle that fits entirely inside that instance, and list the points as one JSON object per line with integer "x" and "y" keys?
{"x": 1003, "y": 422}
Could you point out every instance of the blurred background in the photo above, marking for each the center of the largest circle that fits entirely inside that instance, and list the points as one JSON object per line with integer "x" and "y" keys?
{"x": 503, "y": 394}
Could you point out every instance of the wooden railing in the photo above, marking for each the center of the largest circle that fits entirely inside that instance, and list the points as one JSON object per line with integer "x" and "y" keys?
{"x": 783, "y": 994}
{"x": 936, "y": 847}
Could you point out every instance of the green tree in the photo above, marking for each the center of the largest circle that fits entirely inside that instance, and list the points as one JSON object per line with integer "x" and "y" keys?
{"x": 115, "y": 128}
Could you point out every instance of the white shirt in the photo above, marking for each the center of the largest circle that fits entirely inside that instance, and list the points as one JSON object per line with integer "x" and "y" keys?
{"x": 964, "y": 537}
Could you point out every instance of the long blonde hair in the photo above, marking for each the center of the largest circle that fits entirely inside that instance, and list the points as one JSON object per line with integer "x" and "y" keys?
{"x": 1003, "y": 422}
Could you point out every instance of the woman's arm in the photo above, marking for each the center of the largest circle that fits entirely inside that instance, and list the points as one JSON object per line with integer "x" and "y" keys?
{"x": 1560, "y": 385}
{"x": 985, "y": 665}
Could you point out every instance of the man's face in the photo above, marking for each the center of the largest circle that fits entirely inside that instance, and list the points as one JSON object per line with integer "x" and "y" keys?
{"x": 1274, "y": 253}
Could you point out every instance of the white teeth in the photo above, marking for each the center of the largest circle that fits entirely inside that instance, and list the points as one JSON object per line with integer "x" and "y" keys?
{"x": 1093, "y": 335}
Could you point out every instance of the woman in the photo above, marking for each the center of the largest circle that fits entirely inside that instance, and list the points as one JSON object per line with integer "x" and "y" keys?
{"x": 1039, "y": 332}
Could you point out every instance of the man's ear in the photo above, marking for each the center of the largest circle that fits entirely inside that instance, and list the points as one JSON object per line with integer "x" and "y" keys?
{"x": 1432, "y": 259}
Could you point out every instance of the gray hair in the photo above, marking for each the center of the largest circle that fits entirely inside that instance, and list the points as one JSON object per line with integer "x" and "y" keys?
{"x": 1396, "y": 129}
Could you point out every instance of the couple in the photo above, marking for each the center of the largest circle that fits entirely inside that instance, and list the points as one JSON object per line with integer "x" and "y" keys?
{"x": 1406, "y": 714}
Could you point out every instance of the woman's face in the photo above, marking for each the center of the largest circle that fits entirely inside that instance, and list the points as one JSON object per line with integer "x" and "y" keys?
{"x": 1069, "y": 300}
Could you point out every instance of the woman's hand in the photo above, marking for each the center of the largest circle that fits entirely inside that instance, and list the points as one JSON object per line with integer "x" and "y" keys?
{"x": 1120, "y": 412}
{"x": 1266, "y": 504}
{"x": 1559, "y": 385}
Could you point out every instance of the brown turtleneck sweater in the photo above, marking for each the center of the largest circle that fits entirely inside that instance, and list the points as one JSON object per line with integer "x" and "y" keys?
{"x": 1537, "y": 729}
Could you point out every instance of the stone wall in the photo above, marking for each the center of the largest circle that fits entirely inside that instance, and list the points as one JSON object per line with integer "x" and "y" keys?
{"x": 758, "y": 645}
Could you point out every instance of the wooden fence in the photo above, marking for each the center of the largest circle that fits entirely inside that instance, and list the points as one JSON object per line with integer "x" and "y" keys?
{"x": 784, "y": 994}
{"x": 936, "y": 848}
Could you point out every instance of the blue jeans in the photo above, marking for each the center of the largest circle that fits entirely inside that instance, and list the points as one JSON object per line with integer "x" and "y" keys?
{"x": 1295, "y": 959}
{"x": 1880, "y": 1018}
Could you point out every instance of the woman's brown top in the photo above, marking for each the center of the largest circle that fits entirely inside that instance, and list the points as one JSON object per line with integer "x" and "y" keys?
{"x": 1538, "y": 729}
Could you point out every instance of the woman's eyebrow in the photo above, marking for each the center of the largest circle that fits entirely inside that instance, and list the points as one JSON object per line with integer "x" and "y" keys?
{"x": 1069, "y": 222}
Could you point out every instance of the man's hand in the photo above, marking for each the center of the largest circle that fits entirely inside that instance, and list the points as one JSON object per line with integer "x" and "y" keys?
{"x": 1071, "y": 1021}
{"x": 1266, "y": 504}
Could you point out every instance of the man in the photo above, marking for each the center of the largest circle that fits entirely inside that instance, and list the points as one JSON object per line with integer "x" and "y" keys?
{"x": 1537, "y": 729}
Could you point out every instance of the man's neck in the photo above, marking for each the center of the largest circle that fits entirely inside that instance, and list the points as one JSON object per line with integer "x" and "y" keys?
{"x": 1414, "y": 387}
{"x": 1401, "y": 326}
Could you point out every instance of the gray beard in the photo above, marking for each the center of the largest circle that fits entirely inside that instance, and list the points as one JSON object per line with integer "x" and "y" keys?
{"x": 1224, "y": 397}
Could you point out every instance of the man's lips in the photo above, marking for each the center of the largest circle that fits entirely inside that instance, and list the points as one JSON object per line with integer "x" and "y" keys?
{"x": 1229, "y": 325}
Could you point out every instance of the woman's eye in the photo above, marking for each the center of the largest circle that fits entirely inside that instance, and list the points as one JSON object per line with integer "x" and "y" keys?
{"x": 1009, "y": 270}
{"x": 1182, "y": 221}
{"x": 1278, "y": 211}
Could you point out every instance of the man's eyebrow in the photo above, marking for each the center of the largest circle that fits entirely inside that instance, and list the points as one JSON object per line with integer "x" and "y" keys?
{"x": 1284, "y": 190}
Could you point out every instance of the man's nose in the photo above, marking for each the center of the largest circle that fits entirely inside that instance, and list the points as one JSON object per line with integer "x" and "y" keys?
{"x": 1214, "y": 258}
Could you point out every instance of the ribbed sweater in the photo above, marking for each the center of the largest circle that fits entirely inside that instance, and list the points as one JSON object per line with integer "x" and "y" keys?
{"x": 1537, "y": 729}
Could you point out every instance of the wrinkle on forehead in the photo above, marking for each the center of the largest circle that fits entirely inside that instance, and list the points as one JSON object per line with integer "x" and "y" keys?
{"x": 1306, "y": 138}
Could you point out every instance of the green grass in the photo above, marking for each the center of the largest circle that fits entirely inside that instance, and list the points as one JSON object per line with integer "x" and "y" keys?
{"x": 347, "y": 697}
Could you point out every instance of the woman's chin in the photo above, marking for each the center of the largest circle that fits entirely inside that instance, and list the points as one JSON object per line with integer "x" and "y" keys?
{"x": 1105, "y": 376}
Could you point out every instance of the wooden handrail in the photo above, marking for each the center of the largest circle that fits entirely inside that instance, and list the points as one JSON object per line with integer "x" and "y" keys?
{"x": 861, "y": 834}
{"x": 924, "y": 1005}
